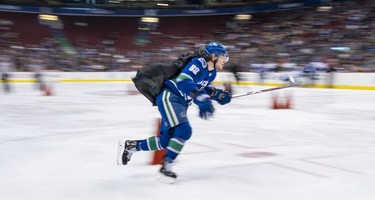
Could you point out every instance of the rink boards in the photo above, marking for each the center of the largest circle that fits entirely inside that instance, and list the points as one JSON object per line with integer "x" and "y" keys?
{"x": 361, "y": 81}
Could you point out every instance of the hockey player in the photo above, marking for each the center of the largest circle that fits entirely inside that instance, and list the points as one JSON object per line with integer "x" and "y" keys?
{"x": 191, "y": 85}
{"x": 6, "y": 66}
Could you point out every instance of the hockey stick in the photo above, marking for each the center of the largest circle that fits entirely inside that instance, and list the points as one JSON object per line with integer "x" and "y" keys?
{"x": 292, "y": 83}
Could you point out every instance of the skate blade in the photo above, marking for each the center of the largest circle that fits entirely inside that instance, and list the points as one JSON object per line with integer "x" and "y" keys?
{"x": 166, "y": 179}
{"x": 120, "y": 150}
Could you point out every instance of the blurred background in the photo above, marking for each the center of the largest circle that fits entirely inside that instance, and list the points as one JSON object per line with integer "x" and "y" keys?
{"x": 123, "y": 35}
{"x": 314, "y": 141}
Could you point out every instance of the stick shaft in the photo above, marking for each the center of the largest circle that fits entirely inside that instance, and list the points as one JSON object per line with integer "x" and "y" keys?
{"x": 261, "y": 91}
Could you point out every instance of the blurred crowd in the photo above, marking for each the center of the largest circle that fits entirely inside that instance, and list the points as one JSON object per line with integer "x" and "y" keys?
{"x": 120, "y": 4}
{"x": 341, "y": 37}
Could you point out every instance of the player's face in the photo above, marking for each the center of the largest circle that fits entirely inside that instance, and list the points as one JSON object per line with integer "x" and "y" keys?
{"x": 221, "y": 61}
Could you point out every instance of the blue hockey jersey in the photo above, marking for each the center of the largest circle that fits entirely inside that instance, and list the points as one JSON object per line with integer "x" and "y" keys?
{"x": 194, "y": 77}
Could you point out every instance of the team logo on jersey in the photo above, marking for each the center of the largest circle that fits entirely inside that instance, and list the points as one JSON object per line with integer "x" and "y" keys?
{"x": 203, "y": 62}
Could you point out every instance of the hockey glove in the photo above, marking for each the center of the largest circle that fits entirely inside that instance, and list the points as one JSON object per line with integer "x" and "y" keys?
{"x": 203, "y": 101}
{"x": 221, "y": 96}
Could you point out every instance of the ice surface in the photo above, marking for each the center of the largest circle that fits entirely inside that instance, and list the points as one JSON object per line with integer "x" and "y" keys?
{"x": 63, "y": 147}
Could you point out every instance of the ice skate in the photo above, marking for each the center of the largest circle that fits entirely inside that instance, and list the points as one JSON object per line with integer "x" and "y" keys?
{"x": 125, "y": 151}
{"x": 168, "y": 176}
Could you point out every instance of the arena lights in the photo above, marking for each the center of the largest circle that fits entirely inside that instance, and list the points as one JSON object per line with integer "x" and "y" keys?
{"x": 162, "y": 4}
{"x": 243, "y": 17}
{"x": 143, "y": 29}
{"x": 150, "y": 19}
{"x": 115, "y": 1}
{"x": 48, "y": 17}
{"x": 324, "y": 8}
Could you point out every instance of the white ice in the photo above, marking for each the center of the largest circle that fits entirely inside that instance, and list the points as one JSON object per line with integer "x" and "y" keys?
{"x": 63, "y": 147}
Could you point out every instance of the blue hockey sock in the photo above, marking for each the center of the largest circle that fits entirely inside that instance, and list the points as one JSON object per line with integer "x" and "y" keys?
{"x": 174, "y": 148}
{"x": 149, "y": 144}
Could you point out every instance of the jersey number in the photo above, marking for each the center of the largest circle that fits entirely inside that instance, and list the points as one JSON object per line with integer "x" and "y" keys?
{"x": 194, "y": 69}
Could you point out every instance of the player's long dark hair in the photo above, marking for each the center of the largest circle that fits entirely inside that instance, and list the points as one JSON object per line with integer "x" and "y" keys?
{"x": 201, "y": 52}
